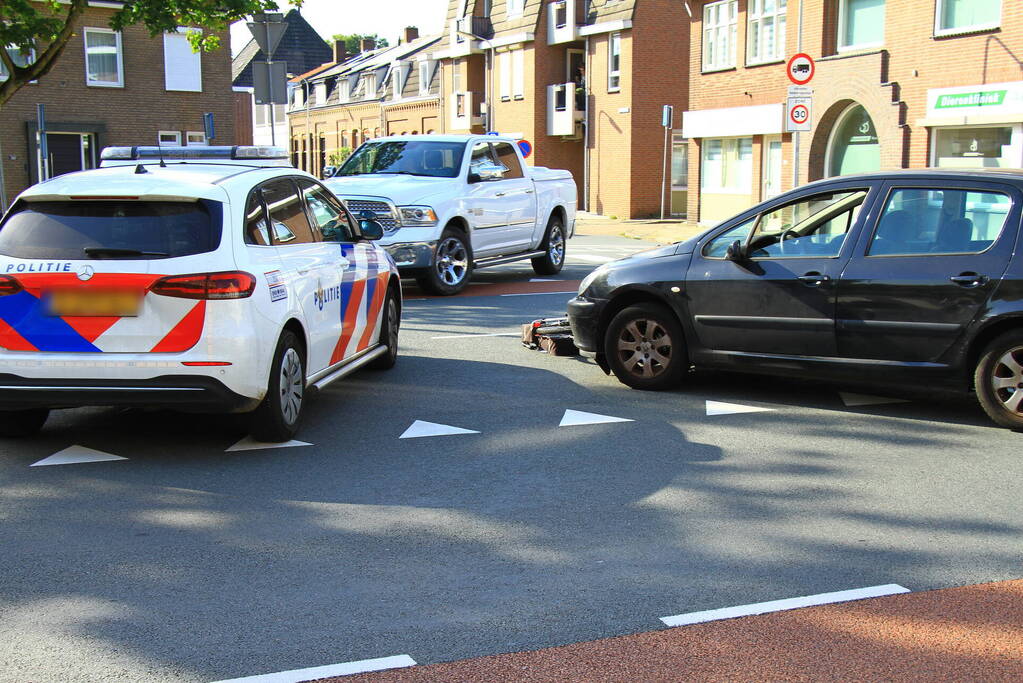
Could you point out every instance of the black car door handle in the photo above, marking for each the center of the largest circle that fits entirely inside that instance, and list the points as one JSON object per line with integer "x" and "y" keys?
{"x": 813, "y": 279}
{"x": 969, "y": 279}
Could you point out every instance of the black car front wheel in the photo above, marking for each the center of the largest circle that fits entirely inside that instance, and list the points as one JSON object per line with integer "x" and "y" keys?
{"x": 998, "y": 379}
{"x": 645, "y": 349}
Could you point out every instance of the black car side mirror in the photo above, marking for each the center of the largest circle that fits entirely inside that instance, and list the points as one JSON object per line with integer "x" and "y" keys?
{"x": 371, "y": 229}
{"x": 735, "y": 252}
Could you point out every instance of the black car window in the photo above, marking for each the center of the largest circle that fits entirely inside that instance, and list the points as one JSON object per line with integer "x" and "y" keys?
{"x": 325, "y": 213}
{"x": 288, "y": 222}
{"x": 111, "y": 229}
{"x": 717, "y": 247}
{"x": 927, "y": 221}
{"x": 810, "y": 227}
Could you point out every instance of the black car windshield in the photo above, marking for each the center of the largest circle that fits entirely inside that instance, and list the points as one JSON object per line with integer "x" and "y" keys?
{"x": 407, "y": 157}
{"x": 102, "y": 229}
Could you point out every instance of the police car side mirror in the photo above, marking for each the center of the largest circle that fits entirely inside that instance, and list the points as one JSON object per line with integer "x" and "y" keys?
{"x": 370, "y": 229}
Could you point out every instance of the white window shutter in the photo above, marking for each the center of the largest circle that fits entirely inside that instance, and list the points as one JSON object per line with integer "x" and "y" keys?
{"x": 182, "y": 66}
{"x": 504, "y": 72}
{"x": 519, "y": 73}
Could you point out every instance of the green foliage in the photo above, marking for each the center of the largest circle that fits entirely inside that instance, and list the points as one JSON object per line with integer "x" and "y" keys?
{"x": 353, "y": 40}
{"x": 46, "y": 26}
{"x": 336, "y": 157}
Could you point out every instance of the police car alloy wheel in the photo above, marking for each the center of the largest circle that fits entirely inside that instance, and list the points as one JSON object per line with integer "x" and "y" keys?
{"x": 278, "y": 416}
{"x": 389, "y": 334}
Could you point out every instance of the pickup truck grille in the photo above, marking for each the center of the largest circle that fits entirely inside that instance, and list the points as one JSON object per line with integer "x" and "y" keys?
{"x": 385, "y": 216}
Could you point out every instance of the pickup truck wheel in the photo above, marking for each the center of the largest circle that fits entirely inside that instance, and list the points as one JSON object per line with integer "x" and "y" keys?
{"x": 452, "y": 264}
{"x": 645, "y": 347}
{"x": 554, "y": 249}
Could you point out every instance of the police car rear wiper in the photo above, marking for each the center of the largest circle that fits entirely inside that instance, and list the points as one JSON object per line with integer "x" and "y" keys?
{"x": 111, "y": 251}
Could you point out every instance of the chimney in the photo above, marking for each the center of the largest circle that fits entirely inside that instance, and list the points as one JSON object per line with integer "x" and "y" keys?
{"x": 340, "y": 53}
{"x": 367, "y": 44}
{"x": 411, "y": 33}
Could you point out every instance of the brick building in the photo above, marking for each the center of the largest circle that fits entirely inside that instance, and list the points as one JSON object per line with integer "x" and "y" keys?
{"x": 898, "y": 84}
{"x": 380, "y": 91}
{"x": 520, "y": 67}
{"x": 110, "y": 88}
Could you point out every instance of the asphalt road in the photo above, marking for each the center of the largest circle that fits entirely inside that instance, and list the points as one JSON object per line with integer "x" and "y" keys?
{"x": 188, "y": 563}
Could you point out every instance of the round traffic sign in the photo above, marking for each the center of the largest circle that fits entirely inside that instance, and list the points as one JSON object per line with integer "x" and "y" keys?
{"x": 799, "y": 114}
{"x": 800, "y": 68}
{"x": 526, "y": 148}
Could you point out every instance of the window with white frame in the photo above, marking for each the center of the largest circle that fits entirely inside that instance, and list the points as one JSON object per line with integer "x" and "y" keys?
{"x": 195, "y": 138}
{"x": 518, "y": 70}
{"x": 727, "y": 165}
{"x": 344, "y": 87}
{"x": 21, "y": 58}
{"x": 860, "y": 24}
{"x": 397, "y": 81}
{"x": 425, "y": 76}
{"x": 614, "y": 62}
{"x": 514, "y": 8}
{"x": 168, "y": 138}
{"x": 181, "y": 64}
{"x": 370, "y": 85}
{"x": 103, "y": 62}
{"x": 961, "y": 16}
{"x": 719, "y": 27}
{"x": 259, "y": 112}
{"x": 765, "y": 33}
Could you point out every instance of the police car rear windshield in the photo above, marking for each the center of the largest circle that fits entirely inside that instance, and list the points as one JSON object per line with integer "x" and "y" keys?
{"x": 92, "y": 230}
{"x": 406, "y": 157}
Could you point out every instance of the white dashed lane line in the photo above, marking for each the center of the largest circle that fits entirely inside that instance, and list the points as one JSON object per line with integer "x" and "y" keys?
{"x": 782, "y": 605}
{"x": 317, "y": 672}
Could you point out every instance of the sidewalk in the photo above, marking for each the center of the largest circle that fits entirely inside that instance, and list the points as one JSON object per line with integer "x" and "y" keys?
{"x": 663, "y": 232}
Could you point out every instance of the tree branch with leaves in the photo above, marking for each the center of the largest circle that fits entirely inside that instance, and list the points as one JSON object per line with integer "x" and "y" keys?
{"x": 44, "y": 27}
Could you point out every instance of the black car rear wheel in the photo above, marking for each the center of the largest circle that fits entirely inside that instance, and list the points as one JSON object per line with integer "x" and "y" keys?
{"x": 998, "y": 380}
{"x": 645, "y": 348}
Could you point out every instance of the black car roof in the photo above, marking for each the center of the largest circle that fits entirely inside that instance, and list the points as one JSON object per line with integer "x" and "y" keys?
{"x": 1011, "y": 174}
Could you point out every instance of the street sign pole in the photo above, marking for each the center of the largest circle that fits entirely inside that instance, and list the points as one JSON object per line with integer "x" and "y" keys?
{"x": 268, "y": 28}
{"x": 795, "y": 136}
{"x": 270, "y": 107}
{"x": 667, "y": 116}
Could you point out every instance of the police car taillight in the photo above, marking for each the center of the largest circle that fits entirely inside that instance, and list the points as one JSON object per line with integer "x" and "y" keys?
{"x": 9, "y": 285}
{"x": 228, "y": 285}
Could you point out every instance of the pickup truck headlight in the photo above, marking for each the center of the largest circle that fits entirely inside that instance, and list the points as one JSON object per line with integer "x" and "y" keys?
{"x": 417, "y": 216}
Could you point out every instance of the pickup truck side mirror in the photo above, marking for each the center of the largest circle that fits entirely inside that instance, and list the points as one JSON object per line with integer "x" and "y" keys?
{"x": 735, "y": 252}
{"x": 473, "y": 178}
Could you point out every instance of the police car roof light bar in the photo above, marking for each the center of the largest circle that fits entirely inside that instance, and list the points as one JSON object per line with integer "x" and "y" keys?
{"x": 203, "y": 152}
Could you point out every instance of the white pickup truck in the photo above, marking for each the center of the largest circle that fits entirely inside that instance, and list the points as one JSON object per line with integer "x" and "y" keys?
{"x": 453, "y": 203}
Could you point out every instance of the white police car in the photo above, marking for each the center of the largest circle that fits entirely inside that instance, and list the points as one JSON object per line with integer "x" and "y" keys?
{"x": 198, "y": 278}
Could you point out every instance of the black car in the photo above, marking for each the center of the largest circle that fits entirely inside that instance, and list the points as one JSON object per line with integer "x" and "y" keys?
{"x": 909, "y": 278}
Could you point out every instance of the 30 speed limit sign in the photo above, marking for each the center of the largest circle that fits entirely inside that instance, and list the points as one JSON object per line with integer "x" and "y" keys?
{"x": 799, "y": 115}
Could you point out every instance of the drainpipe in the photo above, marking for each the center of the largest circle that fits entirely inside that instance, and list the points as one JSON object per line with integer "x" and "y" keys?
{"x": 586, "y": 130}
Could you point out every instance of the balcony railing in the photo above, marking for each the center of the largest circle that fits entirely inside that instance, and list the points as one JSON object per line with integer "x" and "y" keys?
{"x": 564, "y": 110}
{"x": 564, "y": 19}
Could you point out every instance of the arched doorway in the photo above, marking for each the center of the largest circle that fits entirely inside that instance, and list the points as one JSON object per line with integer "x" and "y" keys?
{"x": 853, "y": 146}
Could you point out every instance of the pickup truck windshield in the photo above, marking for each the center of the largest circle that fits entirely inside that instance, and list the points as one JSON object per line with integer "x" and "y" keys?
{"x": 407, "y": 157}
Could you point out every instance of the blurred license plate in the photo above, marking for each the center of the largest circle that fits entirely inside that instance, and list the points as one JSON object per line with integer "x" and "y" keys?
{"x": 83, "y": 302}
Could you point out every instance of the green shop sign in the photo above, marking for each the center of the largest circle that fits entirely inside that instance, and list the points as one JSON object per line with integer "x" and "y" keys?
{"x": 989, "y": 98}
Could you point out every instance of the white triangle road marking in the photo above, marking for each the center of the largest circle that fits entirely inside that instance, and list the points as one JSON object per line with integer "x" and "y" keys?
{"x": 421, "y": 428}
{"x": 853, "y": 400}
{"x": 74, "y": 455}
{"x": 719, "y": 408}
{"x": 250, "y": 444}
{"x": 572, "y": 418}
